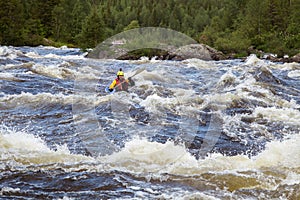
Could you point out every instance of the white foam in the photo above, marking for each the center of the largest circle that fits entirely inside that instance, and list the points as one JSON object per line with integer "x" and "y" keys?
{"x": 280, "y": 154}
{"x": 142, "y": 60}
{"x": 291, "y": 179}
{"x": 253, "y": 60}
{"x": 9, "y": 189}
{"x": 12, "y": 66}
{"x": 64, "y": 57}
{"x": 33, "y": 55}
{"x": 221, "y": 98}
{"x": 9, "y": 52}
{"x": 187, "y": 195}
{"x": 187, "y": 98}
{"x": 286, "y": 66}
{"x": 53, "y": 71}
{"x": 8, "y": 76}
{"x": 198, "y": 63}
{"x": 248, "y": 87}
{"x": 285, "y": 115}
{"x": 75, "y": 57}
{"x": 64, "y": 71}
{"x": 227, "y": 78}
{"x": 154, "y": 103}
{"x": 144, "y": 156}
{"x": 294, "y": 74}
{"x": 21, "y": 140}
{"x": 4, "y": 51}
{"x": 24, "y": 148}
{"x": 157, "y": 75}
{"x": 28, "y": 99}
{"x": 64, "y": 47}
{"x": 51, "y": 55}
{"x": 87, "y": 72}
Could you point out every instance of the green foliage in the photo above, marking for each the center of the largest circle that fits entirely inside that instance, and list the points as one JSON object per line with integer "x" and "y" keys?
{"x": 272, "y": 42}
{"x": 212, "y": 32}
{"x": 80, "y": 11}
{"x": 150, "y": 53}
{"x": 12, "y": 22}
{"x": 228, "y": 25}
{"x": 133, "y": 24}
{"x": 93, "y": 30}
{"x": 233, "y": 43}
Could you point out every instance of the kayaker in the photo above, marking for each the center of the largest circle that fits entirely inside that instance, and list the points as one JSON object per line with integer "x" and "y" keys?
{"x": 120, "y": 83}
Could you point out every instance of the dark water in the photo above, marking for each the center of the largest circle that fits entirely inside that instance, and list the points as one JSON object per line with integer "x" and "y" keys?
{"x": 188, "y": 129}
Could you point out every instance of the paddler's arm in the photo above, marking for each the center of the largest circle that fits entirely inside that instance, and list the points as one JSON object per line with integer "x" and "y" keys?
{"x": 112, "y": 85}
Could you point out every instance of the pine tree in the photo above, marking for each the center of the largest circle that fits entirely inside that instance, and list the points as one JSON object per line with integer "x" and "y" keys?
{"x": 12, "y": 28}
{"x": 57, "y": 13}
{"x": 80, "y": 11}
{"x": 293, "y": 29}
{"x": 93, "y": 30}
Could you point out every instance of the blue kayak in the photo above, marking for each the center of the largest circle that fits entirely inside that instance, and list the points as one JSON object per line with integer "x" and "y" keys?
{"x": 107, "y": 91}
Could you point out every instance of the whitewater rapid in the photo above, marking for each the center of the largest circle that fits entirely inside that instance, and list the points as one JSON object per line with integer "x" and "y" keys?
{"x": 188, "y": 129}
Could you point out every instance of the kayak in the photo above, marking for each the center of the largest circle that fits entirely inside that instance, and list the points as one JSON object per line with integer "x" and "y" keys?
{"x": 107, "y": 91}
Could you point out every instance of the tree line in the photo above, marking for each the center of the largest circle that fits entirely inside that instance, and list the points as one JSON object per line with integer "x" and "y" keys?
{"x": 231, "y": 26}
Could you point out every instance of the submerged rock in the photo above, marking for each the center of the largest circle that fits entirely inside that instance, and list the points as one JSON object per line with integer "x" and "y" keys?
{"x": 263, "y": 74}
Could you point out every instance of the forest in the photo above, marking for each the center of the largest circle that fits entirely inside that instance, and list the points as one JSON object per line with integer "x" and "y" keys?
{"x": 235, "y": 27}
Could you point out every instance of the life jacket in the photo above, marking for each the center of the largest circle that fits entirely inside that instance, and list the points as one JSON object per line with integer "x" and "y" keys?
{"x": 121, "y": 85}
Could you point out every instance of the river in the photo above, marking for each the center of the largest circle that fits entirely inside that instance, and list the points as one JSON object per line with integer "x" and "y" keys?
{"x": 188, "y": 129}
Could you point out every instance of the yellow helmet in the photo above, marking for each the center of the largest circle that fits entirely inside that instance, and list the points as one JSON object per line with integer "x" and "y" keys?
{"x": 120, "y": 73}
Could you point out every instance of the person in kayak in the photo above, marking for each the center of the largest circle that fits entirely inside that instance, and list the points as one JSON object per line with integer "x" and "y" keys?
{"x": 120, "y": 83}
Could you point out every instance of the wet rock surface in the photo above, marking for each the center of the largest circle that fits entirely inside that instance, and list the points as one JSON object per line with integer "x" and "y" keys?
{"x": 199, "y": 51}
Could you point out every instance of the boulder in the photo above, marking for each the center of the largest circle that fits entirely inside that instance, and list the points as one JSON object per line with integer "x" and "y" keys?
{"x": 200, "y": 51}
{"x": 296, "y": 58}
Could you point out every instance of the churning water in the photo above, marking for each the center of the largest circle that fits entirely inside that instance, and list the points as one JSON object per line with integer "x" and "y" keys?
{"x": 188, "y": 129}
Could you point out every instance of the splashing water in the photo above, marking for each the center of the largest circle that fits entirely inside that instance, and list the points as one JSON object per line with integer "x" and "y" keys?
{"x": 188, "y": 129}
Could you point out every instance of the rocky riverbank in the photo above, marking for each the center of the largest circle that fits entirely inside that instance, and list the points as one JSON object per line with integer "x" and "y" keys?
{"x": 295, "y": 58}
{"x": 200, "y": 51}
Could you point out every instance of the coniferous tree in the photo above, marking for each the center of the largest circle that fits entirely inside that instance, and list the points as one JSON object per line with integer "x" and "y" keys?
{"x": 80, "y": 11}
{"x": 12, "y": 22}
{"x": 201, "y": 21}
{"x": 145, "y": 16}
{"x": 93, "y": 30}
{"x": 229, "y": 25}
{"x": 58, "y": 22}
{"x": 67, "y": 25}
{"x": 293, "y": 29}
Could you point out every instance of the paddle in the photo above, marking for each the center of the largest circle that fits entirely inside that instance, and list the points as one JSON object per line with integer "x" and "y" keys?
{"x": 138, "y": 71}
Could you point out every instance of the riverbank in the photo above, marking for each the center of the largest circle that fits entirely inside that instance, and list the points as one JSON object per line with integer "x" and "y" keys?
{"x": 200, "y": 51}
